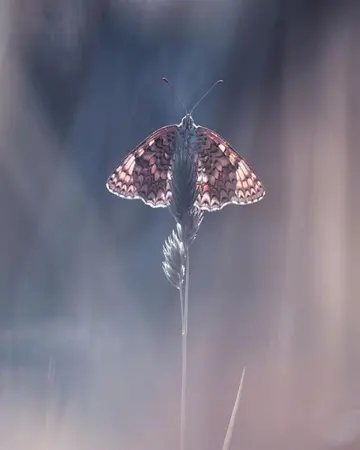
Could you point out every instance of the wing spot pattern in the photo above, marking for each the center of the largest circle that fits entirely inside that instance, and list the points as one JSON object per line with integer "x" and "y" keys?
{"x": 224, "y": 177}
{"x": 145, "y": 173}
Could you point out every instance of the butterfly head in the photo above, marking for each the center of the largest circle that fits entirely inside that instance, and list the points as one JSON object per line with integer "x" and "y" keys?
{"x": 187, "y": 122}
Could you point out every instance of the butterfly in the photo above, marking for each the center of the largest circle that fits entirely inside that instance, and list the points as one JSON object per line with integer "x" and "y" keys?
{"x": 223, "y": 176}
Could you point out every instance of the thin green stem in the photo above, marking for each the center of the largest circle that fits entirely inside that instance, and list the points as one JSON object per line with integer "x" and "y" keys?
{"x": 184, "y": 300}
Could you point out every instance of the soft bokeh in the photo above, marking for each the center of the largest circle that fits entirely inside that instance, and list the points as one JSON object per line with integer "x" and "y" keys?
{"x": 89, "y": 326}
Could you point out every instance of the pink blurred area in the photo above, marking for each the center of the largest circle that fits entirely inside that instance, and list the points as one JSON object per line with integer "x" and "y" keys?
{"x": 89, "y": 326}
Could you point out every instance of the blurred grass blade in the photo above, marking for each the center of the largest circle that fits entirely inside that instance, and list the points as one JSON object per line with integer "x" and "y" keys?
{"x": 231, "y": 425}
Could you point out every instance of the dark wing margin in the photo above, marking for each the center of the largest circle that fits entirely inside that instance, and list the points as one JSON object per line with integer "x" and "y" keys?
{"x": 224, "y": 177}
{"x": 145, "y": 173}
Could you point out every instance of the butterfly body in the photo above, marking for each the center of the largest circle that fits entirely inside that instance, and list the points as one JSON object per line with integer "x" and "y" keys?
{"x": 223, "y": 176}
{"x": 186, "y": 142}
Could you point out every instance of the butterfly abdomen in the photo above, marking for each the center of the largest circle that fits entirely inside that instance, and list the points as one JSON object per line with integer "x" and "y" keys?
{"x": 184, "y": 174}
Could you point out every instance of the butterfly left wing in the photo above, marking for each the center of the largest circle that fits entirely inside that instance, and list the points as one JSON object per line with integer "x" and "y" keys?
{"x": 145, "y": 172}
{"x": 224, "y": 177}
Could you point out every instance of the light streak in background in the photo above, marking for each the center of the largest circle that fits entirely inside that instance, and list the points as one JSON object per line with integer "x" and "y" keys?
{"x": 88, "y": 360}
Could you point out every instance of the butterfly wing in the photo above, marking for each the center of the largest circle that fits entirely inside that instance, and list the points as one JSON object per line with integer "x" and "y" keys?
{"x": 145, "y": 172}
{"x": 224, "y": 177}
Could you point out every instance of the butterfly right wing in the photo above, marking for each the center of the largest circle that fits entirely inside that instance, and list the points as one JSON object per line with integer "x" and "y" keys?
{"x": 224, "y": 177}
{"x": 145, "y": 173}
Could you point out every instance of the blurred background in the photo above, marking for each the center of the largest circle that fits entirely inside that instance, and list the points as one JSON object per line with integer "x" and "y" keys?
{"x": 90, "y": 333}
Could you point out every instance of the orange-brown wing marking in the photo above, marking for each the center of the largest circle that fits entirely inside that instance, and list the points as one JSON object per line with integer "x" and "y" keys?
{"x": 145, "y": 173}
{"x": 224, "y": 177}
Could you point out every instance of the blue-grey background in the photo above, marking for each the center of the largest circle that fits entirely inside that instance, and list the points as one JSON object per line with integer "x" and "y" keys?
{"x": 89, "y": 326}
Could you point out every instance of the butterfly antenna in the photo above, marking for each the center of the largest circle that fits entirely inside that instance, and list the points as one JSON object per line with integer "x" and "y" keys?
{"x": 175, "y": 93}
{"x": 206, "y": 93}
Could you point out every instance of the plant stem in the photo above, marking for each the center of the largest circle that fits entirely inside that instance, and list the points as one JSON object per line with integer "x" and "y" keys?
{"x": 230, "y": 428}
{"x": 184, "y": 300}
